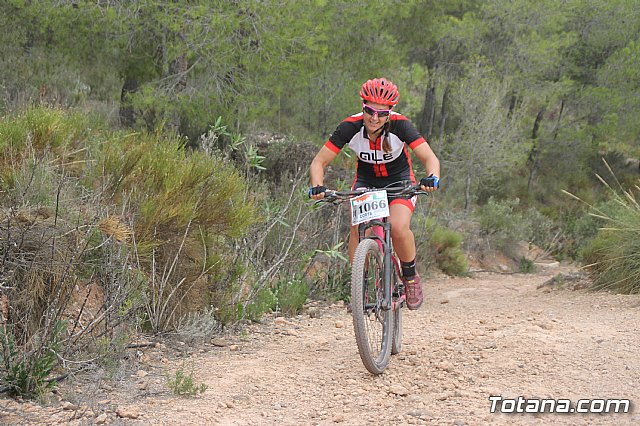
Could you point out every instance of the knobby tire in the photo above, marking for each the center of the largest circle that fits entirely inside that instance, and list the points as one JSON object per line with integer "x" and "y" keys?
{"x": 372, "y": 325}
{"x": 396, "y": 341}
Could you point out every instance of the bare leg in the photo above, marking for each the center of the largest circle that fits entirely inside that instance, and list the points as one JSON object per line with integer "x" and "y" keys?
{"x": 353, "y": 242}
{"x": 403, "y": 240}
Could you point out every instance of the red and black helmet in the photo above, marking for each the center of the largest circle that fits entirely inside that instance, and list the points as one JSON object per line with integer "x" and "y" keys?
{"x": 380, "y": 91}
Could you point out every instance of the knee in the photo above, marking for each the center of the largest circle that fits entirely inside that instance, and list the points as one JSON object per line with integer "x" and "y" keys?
{"x": 398, "y": 233}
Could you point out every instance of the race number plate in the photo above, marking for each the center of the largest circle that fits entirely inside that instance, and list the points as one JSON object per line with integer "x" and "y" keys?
{"x": 372, "y": 205}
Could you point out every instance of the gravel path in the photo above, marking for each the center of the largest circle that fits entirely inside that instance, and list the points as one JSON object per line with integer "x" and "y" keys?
{"x": 474, "y": 338}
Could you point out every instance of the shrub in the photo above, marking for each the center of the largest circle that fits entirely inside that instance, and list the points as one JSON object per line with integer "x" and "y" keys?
{"x": 188, "y": 207}
{"x": 264, "y": 301}
{"x": 26, "y": 373}
{"x": 540, "y": 228}
{"x": 613, "y": 256}
{"x": 129, "y": 220}
{"x": 579, "y": 229}
{"x": 330, "y": 272}
{"x": 500, "y": 222}
{"x": 38, "y": 132}
{"x": 291, "y": 295}
{"x": 43, "y": 128}
{"x": 449, "y": 256}
{"x": 504, "y": 224}
{"x": 526, "y": 266}
{"x": 198, "y": 325}
{"x": 338, "y": 283}
{"x": 235, "y": 305}
{"x": 184, "y": 385}
{"x": 171, "y": 187}
{"x": 439, "y": 246}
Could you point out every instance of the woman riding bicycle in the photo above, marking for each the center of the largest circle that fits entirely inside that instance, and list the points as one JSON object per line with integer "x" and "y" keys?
{"x": 380, "y": 137}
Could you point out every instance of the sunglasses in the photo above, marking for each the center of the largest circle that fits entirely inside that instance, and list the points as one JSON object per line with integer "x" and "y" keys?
{"x": 372, "y": 111}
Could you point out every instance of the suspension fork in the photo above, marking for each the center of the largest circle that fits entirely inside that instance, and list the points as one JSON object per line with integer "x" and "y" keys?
{"x": 382, "y": 235}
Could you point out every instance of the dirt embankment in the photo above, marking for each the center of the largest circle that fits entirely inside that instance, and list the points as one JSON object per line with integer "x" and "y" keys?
{"x": 474, "y": 338}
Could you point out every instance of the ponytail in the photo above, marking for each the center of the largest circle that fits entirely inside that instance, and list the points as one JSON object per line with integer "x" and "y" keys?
{"x": 386, "y": 145}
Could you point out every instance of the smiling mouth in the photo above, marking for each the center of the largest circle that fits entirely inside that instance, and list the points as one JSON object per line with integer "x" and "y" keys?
{"x": 375, "y": 130}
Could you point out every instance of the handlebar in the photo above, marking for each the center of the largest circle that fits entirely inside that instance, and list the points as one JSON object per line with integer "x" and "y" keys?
{"x": 336, "y": 197}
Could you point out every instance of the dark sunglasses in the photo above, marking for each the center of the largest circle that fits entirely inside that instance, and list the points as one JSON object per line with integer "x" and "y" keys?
{"x": 372, "y": 111}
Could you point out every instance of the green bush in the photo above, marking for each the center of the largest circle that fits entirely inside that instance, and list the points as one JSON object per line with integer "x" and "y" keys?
{"x": 338, "y": 284}
{"x": 578, "y": 230}
{"x": 172, "y": 187}
{"x": 501, "y": 223}
{"x": 449, "y": 256}
{"x": 188, "y": 207}
{"x": 526, "y": 266}
{"x": 40, "y": 139}
{"x": 291, "y": 295}
{"x": 505, "y": 223}
{"x": 152, "y": 225}
{"x": 251, "y": 308}
{"x": 540, "y": 228}
{"x": 26, "y": 372}
{"x": 612, "y": 257}
{"x": 184, "y": 384}
{"x": 264, "y": 301}
{"x": 42, "y": 128}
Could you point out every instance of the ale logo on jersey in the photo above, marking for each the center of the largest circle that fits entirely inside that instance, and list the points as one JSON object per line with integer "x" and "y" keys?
{"x": 374, "y": 156}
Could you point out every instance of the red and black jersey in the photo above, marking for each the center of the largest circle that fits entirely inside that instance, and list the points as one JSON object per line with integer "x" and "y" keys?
{"x": 374, "y": 164}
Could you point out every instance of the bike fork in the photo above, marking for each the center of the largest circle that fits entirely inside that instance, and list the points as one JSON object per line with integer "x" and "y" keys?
{"x": 388, "y": 265}
{"x": 382, "y": 231}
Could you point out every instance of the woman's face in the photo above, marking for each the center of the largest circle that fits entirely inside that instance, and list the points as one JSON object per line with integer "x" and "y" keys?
{"x": 375, "y": 115}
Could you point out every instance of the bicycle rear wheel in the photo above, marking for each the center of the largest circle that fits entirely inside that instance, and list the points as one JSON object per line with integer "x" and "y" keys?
{"x": 372, "y": 324}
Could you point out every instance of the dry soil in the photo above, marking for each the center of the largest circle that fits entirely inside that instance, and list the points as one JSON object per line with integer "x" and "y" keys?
{"x": 490, "y": 335}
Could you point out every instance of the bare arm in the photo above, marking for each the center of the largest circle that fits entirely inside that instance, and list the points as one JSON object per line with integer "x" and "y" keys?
{"x": 320, "y": 162}
{"x": 426, "y": 155}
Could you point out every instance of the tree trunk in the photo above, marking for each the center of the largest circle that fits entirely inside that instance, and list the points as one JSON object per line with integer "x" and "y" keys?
{"x": 127, "y": 114}
{"x": 534, "y": 154}
{"x": 467, "y": 192}
{"x": 178, "y": 70}
{"x": 512, "y": 103}
{"x": 443, "y": 113}
{"x": 557, "y": 126}
{"x": 428, "y": 110}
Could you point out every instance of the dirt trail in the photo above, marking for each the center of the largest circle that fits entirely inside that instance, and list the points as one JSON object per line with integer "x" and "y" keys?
{"x": 474, "y": 337}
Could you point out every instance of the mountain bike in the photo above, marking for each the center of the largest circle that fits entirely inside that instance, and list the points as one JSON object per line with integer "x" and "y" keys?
{"x": 377, "y": 290}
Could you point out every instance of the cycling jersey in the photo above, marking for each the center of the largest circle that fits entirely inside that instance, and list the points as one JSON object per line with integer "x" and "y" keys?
{"x": 375, "y": 167}
{"x": 374, "y": 164}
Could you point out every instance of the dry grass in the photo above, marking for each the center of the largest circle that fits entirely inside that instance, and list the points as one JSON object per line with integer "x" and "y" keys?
{"x": 613, "y": 257}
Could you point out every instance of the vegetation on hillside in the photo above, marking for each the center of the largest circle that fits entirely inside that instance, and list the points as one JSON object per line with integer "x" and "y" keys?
{"x": 154, "y": 155}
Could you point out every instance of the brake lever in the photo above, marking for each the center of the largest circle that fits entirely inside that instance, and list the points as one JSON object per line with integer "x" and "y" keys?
{"x": 330, "y": 199}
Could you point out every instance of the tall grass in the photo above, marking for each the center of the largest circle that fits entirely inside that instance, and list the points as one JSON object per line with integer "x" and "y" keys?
{"x": 613, "y": 256}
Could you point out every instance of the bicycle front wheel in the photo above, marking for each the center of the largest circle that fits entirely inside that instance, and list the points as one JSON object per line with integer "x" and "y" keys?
{"x": 371, "y": 322}
{"x": 396, "y": 345}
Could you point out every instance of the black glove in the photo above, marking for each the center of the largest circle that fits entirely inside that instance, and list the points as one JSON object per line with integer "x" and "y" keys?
{"x": 318, "y": 189}
{"x": 430, "y": 182}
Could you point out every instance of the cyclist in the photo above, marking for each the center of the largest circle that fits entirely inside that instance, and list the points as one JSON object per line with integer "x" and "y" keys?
{"x": 380, "y": 138}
